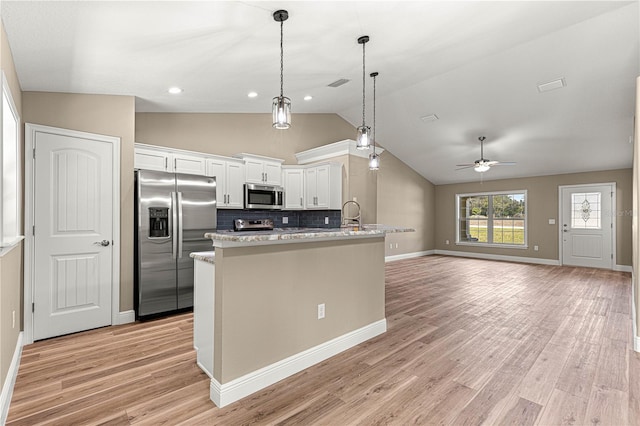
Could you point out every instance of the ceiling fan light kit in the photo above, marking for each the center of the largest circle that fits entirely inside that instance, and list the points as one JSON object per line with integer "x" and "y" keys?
{"x": 483, "y": 165}
{"x": 363, "y": 136}
{"x": 281, "y": 106}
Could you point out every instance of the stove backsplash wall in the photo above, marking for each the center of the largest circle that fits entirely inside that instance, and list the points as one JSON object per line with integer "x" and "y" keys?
{"x": 296, "y": 218}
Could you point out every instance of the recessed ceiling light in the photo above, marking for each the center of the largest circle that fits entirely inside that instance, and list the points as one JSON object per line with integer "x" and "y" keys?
{"x": 551, "y": 85}
{"x": 252, "y": 94}
{"x": 429, "y": 118}
{"x": 308, "y": 98}
{"x": 175, "y": 90}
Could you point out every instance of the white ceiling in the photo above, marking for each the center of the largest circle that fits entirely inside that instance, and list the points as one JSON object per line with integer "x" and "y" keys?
{"x": 474, "y": 64}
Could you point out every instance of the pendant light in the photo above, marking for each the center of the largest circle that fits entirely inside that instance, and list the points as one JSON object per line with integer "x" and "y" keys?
{"x": 363, "y": 138}
{"x": 374, "y": 159}
{"x": 281, "y": 105}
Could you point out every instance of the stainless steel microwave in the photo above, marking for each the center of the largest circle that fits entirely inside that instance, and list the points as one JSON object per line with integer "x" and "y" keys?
{"x": 263, "y": 196}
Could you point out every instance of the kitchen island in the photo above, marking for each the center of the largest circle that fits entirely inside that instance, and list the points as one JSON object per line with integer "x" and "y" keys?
{"x": 269, "y": 304}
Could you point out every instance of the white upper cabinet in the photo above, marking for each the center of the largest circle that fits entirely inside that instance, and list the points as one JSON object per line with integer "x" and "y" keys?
{"x": 165, "y": 160}
{"x": 229, "y": 174}
{"x": 262, "y": 170}
{"x": 293, "y": 182}
{"x": 189, "y": 164}
{"x": 152, "y": 159}
{"x": 323, "y": 186}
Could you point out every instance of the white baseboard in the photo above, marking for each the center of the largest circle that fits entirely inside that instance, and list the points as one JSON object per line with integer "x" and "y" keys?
{"x": 409, "y": 255}
{"x": 10, "y": 381}
{"x": 499, "y": 257}
{"x": 623, "y": 268}
{"x": 126, "y": 317}
{"x": 237, "y": 389}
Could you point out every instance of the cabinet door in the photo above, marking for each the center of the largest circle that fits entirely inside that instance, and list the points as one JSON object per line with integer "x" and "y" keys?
{"x": 322, "y": 187}
{"x": 235, "y": 185}
{"x": 310, "y": 188}
{"x": 217, "y": 168}
{"x": 189, "y": 164}
{"x": 273, "y": 174}
{"x": 254, "y": 171}
{"x": 149, "y": 159}
{"x": 293, "y": 188}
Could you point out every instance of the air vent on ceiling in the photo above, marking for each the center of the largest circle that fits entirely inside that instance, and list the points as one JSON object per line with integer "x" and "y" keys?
{"x": 339, "y": 83}
{"x": 429, "y": 118}
{"x": 551, "y": 85}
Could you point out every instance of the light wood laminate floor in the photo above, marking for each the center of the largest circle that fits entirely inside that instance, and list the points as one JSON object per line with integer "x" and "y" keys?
{"x": 469, "y": 342}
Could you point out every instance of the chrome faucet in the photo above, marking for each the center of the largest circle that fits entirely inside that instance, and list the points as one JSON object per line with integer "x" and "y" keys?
{"x": 346, "y": 220}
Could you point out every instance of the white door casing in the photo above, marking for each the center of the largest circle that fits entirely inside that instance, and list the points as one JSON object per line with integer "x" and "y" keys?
{"x": 73, "y": 204}
{"x": 587, "y": 228}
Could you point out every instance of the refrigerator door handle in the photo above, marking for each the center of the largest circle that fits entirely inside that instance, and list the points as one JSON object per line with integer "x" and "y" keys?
{"x": 179, "y": 225}
{"x": 174, "y": 224}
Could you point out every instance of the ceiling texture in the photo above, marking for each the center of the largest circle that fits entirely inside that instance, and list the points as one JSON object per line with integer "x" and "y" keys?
{"x": 476, "y": 65}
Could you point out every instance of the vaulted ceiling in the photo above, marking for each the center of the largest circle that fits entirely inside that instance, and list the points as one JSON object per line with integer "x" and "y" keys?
{"x": 476, "y": 65}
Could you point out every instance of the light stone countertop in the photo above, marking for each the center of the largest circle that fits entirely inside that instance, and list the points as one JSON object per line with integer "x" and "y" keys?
{"x": 284, "y": 235}
{"x": 205, "y": 256}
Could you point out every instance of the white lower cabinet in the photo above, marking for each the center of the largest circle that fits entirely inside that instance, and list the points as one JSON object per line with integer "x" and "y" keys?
{"x": 229, "y": 176}
{"x": 293, "y": 182}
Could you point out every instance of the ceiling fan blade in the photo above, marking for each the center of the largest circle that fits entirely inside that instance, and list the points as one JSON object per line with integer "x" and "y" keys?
{"x": 504, "y": 163}
{"x": 464, "y": 166}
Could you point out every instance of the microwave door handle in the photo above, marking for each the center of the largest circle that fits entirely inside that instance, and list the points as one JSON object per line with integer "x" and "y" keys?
{"x": 174, "y": 225}
{"x": 180, "y": 231}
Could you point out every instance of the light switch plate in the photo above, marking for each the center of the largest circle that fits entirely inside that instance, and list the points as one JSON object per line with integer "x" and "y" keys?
{"x": 552, "y": 221}
{"x": 285, "y": 219}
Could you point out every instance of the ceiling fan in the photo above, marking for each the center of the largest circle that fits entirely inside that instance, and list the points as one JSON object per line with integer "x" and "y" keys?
{"x": 482, "y": 165}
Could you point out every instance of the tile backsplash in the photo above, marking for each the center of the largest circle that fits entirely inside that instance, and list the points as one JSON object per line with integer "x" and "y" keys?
{"x": 296, "y": 218}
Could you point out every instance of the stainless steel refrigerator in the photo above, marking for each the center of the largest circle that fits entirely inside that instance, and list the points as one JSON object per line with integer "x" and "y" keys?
{"x": 173, "y": 211}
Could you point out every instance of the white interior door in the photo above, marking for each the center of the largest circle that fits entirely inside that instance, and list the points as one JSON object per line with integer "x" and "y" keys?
{"x": 73, "y": 250}
{"x": 587, "y": 225}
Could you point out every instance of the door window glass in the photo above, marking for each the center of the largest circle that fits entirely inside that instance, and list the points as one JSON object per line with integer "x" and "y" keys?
{"x": 586, "y": 210}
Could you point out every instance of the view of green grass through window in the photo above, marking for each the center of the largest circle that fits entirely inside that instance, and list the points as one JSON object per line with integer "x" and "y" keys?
{"x": 496, "y": 218}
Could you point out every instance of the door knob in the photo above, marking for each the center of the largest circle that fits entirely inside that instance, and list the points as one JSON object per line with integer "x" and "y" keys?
{"x": 103, "y": 243}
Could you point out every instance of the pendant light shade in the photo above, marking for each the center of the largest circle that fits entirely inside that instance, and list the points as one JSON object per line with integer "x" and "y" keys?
{"x": 363, "y": 136}
{"x": 281, "y": 105}
{"x": 374, "y": 159}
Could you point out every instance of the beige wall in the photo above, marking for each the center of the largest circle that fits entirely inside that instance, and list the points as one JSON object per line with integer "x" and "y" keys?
{"x": 542, "y": 205}
{"x": 257, "y": 323}
{"x": 405, "y": 198}
{"x": 228, "y": 134}
{"x": 11, "y": 262}
{"x": 105, "y": 115}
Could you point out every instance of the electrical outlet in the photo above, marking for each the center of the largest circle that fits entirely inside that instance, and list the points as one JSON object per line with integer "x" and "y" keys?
{"x": 390, "y": 245}
{"x": 13, "y": 316}
{"x": 552, "y": 221}
{"x": 326, "y": 220}
{"x": 355, "y": 199}
{"x": 446, "y": 242}
{"x": 396, "y": 245}
{"x": 285, "y": 220}
{"x": 535, "y": 248}
{"x": 321, "y": 311}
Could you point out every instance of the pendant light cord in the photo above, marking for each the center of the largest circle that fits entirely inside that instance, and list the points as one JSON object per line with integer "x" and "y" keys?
{"x": 374, "y": 114}
{"x": 363, "y": 83}
{"x": 281, "y": 60}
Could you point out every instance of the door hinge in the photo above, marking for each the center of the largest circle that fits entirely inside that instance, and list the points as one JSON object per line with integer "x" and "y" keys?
{"x": 34, "y": 153}
{"x": 33, "y": 230}
{"x": 611, "y": 225}
{"x": 611, "y": 256}
{"x": 33, "y": 307}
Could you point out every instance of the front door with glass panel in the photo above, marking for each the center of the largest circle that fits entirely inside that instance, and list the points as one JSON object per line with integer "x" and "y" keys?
{"x": 586, "y": 234}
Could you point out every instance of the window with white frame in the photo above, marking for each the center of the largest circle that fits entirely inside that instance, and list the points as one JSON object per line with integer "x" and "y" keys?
{"x": 10, "y": 153}
{"x": 495, "y": 218}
